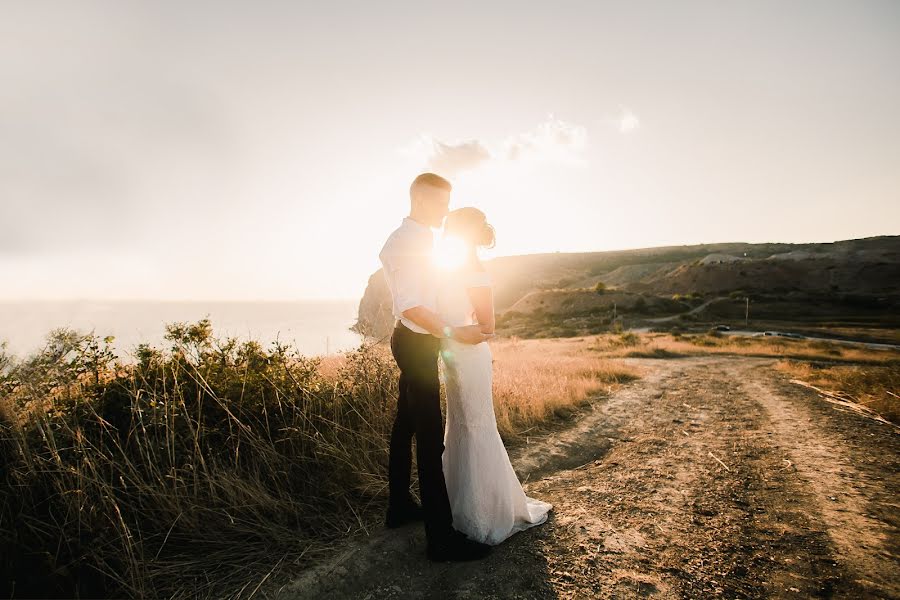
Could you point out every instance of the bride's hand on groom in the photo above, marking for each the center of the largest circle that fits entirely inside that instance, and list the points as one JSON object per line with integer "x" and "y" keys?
{"x": 470, "y": 334}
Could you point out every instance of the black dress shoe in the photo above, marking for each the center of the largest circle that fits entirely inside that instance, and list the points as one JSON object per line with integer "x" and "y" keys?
{"x": 399, "y": 516}
{"x": 457, "y": 547}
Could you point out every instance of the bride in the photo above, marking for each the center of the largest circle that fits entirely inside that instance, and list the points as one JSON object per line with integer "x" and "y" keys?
{"x": 486, "y": 498}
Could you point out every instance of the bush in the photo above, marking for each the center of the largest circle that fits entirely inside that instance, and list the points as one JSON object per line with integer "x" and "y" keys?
{"x": 701, "y": 340}
{"x": 640, "y": 305}
{"x": 600, "y": 287}
{"x": 624, "y": 340}
{"x": 185, "y": 473}
{"x": 654, "y": 353}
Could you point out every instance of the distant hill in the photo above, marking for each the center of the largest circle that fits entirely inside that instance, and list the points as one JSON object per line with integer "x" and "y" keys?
{"x": 563, "y": 283}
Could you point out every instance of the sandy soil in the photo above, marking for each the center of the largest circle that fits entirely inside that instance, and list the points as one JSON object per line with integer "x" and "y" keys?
{"x": 804, "y": 502}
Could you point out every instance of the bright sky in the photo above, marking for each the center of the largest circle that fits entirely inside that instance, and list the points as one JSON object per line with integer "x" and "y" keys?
{"x": 263, "y": 150}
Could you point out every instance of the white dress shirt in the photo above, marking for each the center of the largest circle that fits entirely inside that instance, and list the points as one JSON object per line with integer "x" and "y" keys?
{"x": 407, "y": 260}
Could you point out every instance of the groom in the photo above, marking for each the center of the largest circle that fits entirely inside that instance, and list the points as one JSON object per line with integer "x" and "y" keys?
{"x": 415, "y": 343}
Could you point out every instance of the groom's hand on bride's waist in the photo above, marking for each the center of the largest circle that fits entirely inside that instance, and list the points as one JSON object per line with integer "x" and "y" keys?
{"x": 470, "y": 334}
{"x": 433, "y": 323}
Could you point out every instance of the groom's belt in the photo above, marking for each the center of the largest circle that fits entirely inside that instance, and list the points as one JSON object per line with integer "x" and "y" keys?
{"x": 398, "y": 324}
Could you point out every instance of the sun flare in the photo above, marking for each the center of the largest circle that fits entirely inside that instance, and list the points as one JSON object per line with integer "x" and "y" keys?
{"x": 449, "y": 252}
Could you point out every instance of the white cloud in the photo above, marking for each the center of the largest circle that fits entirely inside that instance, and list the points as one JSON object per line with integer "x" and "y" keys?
{"x": 628, "y": 121}
{"x": 624, "y": 121}
{"x": 449, "y": 159}
{"x": 553, "y": 140}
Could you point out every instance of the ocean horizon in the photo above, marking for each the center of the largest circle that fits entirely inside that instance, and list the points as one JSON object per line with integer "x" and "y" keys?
{"x": 314, "y": 327}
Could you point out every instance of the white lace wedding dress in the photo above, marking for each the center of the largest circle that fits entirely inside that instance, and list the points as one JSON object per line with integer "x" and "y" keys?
{"x": 486, "y": 498}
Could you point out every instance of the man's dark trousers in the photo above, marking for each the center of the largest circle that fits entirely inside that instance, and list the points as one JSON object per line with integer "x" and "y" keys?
{"x": 419, "y": 414}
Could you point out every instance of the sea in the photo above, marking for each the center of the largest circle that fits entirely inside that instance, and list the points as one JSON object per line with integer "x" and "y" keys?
{"x": 314, "y": 327}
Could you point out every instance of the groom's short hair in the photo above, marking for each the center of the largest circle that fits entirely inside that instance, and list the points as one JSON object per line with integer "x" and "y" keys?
{"x": 429, "y": 179}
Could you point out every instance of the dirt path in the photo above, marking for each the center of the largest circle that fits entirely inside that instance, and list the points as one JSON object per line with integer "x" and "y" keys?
{"x": 693, "y": 311}
{"x": 802, "y": 504}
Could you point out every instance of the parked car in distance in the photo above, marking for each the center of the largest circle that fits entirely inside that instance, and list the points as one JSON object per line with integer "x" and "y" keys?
{"x": 722, "y": 328}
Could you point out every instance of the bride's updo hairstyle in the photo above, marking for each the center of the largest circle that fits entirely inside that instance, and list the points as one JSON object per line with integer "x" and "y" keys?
{"x": 470, "y": 224}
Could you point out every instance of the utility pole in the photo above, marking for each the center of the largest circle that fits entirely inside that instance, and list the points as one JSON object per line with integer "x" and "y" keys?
{"x": 614, "y": 311}
{"x": 327, "y": 345}
{"x": 747, "y": 312}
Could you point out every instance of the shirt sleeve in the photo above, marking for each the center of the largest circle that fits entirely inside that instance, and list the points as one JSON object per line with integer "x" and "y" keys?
{"x": 406, "y": 270}
{"x": 405, "y": 264}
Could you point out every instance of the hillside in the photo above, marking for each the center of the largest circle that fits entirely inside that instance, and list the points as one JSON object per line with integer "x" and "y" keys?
{"x": 841, "y": 278}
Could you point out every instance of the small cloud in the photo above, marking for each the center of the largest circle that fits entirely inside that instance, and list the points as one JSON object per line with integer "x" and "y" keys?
{"x": 624, "y": 121}
{"x": 454, "y": 158}
{"x": 628, "y": 121}
{"x": 553, "y": 140}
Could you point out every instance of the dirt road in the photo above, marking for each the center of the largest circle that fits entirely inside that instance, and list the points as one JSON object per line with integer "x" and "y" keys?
{"x": 710, "y": 476}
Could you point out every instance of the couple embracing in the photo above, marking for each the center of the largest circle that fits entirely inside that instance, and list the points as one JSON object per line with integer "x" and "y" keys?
{"x": 471, "y": 497}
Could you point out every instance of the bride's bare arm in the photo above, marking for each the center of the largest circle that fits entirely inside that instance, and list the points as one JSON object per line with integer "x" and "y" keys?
{"x": 482, "y": 298}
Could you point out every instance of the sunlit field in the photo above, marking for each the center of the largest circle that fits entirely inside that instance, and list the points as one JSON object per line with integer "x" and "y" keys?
{"x": 868, "y": 377}
{"x": 534, "y": 379}
{"x": 662, "y": 345}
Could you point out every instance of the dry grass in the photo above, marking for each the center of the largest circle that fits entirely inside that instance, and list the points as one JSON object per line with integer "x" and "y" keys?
{"x": 188, "y": 474}
{"x": 533, "y": 379}
{"x": 876, "y": 387}
{"x": 664, "y": 345}
{"x": 330, "y": 366}
{"x": 200, "y": 469}
{"x": 868, "y": 376}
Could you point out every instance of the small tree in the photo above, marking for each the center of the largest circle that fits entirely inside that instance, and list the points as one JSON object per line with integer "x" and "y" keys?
{"x": 640, "y": 305}
{"x": 600, "y": 287}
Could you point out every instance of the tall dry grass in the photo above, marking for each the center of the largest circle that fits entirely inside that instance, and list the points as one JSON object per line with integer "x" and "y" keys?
{"x": 188, "y": 474}
{"x": 202, "y": 469}
{"x": 534, "y": 379}
{"x": 876, "y": 387}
